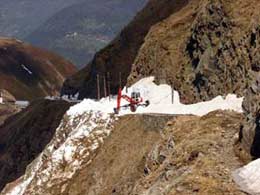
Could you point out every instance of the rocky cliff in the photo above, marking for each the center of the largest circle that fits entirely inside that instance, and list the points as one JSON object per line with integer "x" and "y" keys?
{"x": 250, "y": 132}
{"x": 28, "y": 72}
{"x": 206, "y": 49}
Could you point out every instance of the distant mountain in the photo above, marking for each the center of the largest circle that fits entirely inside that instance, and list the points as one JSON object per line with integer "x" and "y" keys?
{"x": 28, "y": 72}
{"x": 77, "y": 32}
{"x": 19, "y": 18}
{"x": 120, "y": 54}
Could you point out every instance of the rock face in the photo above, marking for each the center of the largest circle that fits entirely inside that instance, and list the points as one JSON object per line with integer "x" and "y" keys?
{"x": 206, "y": 49}
{"x": 250, "y": 135}
{"x": 24, "y": 135}
{"x": 200, "y": 51}
{"x": 119, "y": 55}
{"x": 28, "y": 72}
{"x": 158, "y": 155}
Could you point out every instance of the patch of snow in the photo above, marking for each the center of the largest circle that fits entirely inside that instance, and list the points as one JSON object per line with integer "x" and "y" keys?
{"x": 27, "y": 69}
{"x": 1, "y": 100}
{"x": 22, "y": 103}
{"x": 160, "y": 97}
{"x": 19, "y": 189}
{"x": 248, "y": 178}
{"x": 74, "y": 34}
{"x": 73, "y": 144}
{"x": 18, "y": 40}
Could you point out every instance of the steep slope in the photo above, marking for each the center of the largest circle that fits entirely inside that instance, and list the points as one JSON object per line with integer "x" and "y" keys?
{"x": 206, "y": 49}
{"x": 24, "y": 135}
{"x": 250, "y": 133}
{"x": 7, "y": 110}
{"x": 92, "y": 25}
{"x": 162, "y": 159}
{"x": 28, "y": 72}
{"x": 94, "y": 151}
{"x": 155, "y": 156}
{"x": 119, "y": 55}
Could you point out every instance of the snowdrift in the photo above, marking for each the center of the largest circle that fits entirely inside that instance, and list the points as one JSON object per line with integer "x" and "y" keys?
{"x": 248, "y": 177}
{"x": 160, "y": 97}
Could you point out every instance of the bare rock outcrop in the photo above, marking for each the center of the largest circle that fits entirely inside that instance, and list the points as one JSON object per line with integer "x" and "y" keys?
{"x": 204, "y": 50}
{"x": 250, "y": 131}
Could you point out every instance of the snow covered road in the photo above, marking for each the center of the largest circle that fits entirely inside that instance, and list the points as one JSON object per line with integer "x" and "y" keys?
{"x": 160, "y": 97}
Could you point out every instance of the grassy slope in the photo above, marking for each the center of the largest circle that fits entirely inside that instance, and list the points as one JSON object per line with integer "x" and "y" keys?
{"x": 186, "y": 155}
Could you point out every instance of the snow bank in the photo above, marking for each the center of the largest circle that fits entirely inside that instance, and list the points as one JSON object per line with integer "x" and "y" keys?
{"x": 26, "y": 69}
{"x": 248, "y": 177}
{"x": 160, "y": 97}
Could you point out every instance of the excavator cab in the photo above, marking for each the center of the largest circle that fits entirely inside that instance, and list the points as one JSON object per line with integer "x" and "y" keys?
{"x": 136, "y": 96}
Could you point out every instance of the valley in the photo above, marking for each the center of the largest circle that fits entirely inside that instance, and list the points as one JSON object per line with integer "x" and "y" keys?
{"x": 167, "y": 100}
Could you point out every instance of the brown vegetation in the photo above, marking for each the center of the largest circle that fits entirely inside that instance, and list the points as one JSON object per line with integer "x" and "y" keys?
{"x": 28, "y": 72}
{"x": 147, "y": 154}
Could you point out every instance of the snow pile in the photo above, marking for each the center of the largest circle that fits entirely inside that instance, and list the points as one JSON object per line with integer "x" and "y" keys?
{"x": 160, "y": 97}
{"x": 73, "y": 145}
{"x": 248, "y": 177}
{"x": 26, "y": 69}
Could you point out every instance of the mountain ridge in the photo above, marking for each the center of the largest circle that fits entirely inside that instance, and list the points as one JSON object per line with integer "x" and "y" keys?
{"x": 80, "y": 30}
{"x": 28, "y": 72}
{"x": 119, "y": 55}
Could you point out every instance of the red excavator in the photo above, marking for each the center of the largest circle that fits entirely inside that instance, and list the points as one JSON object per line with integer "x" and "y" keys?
{"x": 134, "y": 101}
